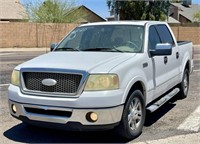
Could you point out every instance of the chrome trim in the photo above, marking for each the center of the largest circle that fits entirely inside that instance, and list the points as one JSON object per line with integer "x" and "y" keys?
{"x": 24, "y": 90}
{"x": 105, "y": 115}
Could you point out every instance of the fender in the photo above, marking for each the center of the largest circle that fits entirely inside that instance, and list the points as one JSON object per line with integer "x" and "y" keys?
{"x": 131, "y": 83}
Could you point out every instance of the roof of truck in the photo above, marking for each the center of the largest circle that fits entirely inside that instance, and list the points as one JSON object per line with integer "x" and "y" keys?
{"x": 142, "y": 23}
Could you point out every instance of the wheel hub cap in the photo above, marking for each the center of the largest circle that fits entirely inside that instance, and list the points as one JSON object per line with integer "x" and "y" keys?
{"x": 135, "y": 114}
{"x": 185, "y": 84}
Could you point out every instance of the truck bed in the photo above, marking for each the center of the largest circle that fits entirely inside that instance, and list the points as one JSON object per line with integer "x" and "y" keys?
{"x": 183, "y": 42}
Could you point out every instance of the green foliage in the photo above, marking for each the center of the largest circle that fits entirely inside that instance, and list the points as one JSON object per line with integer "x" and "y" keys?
{"x": 140, "y": 10}
{"x": 156, "y": 10}
{"x": 49, "y": 11}
{"x": 132, "y": 9}
{"x": 196, "y": 16}
{"x": 176, "y": 1}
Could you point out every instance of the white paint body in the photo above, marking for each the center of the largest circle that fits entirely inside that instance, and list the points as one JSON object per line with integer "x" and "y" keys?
{"x": 157, "y": 78}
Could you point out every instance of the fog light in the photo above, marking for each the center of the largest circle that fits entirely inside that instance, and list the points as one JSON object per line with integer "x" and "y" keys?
{"x": 14, "y": 109}
{"x": 92, "y": 117}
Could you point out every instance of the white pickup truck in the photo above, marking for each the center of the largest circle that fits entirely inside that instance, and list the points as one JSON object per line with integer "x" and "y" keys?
{"x": 102, "y": 76}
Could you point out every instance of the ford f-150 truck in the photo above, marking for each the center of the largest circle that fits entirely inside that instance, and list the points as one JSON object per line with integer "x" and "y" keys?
{"x": 102, "y": 76}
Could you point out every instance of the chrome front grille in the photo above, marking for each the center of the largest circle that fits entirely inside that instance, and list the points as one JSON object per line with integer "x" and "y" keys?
{"x": 66, "y": 83}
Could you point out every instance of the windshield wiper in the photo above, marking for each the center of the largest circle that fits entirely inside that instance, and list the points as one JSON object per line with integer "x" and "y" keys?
{"x": 66, "y": 49}
{"x": 103, "y": 49}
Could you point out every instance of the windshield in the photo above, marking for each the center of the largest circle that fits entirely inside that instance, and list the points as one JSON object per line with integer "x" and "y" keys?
{"x": 112, "y": 38}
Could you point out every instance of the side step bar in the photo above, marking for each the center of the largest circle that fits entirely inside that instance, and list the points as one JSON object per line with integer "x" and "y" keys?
{"x": 163, "y": 100}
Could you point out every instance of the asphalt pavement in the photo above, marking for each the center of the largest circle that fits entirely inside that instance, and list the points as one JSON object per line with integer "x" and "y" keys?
{"x": 178, "y": 121}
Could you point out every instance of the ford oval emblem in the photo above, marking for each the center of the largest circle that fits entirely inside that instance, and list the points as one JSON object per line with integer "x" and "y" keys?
{"x": 49, "y": 82}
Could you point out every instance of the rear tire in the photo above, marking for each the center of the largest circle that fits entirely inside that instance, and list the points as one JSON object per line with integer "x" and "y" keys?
{"x": 133, "y": 117}
{"x": 184, "y": 85}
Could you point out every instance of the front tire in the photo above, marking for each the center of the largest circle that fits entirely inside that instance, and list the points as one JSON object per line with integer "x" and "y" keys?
{"x": 133, "y": 117}
{"x": 184, "y": 85}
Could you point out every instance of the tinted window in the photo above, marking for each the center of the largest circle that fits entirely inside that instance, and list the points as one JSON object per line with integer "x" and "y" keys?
{"x": 164, "y": 34}
{"x": 153, "y": 38}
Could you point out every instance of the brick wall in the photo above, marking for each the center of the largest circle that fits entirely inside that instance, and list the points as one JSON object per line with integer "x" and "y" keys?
{"x": 32, "y": 34}
{"x": 187, "y": 32}
{"x": 42, "y": 35}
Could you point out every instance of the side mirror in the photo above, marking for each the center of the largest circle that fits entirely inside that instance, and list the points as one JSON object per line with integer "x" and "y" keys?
{"x": 53, "y": 45}
{"x": 161, "y": 49}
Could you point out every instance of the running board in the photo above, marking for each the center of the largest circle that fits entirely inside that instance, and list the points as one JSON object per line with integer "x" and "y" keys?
{"x": 163, "y": 100}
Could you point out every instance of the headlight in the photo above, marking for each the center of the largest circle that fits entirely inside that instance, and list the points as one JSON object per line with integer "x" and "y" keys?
{"x": 102, "y": 82}
{"x": 15, "y": 78}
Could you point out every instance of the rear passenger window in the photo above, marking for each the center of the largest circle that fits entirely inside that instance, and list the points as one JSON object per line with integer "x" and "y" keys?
{"x": 153, "y": 38}
{"x": 165, "y": 34}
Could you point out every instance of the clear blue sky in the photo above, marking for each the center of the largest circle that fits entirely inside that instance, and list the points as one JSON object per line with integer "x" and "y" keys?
{"x": 99, "y": 6}
{"x": 196, "y": 1}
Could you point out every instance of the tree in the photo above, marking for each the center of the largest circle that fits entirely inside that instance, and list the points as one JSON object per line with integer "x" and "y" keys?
{"x": 157, "y": 10}
{"x": 47, "y": 11}
{"x": 140, "y": 10}
{"x": 176, "y": 1}
{"x": 196, "y": 16}
{"x": 132, "y": 10}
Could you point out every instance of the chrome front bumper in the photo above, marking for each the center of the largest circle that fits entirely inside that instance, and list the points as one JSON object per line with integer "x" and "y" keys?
{"x": 106, "y": 116}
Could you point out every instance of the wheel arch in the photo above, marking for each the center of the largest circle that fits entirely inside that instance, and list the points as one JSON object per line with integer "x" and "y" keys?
{"x": 187, "y": 65}
{"x": 136, "y": 85}
{"x": 187, "y": 62}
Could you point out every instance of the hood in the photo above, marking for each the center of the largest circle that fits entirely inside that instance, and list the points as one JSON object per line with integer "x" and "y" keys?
{"x": 92, "y": 62}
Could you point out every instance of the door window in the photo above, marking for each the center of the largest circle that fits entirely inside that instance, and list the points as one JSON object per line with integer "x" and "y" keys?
{"x": 165, "y": 34}
{"x": 153, "y": 38}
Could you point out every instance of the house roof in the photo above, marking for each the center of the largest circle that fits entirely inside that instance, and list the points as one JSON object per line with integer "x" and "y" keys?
{"x": 82, "y": 6}
{"x": 187, "y": 12}
{"x": 172, "y": 20}
{"x": 12, "y": 10}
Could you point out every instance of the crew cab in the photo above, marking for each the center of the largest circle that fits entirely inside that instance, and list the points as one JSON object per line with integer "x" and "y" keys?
{"x": 102, "y": 76}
